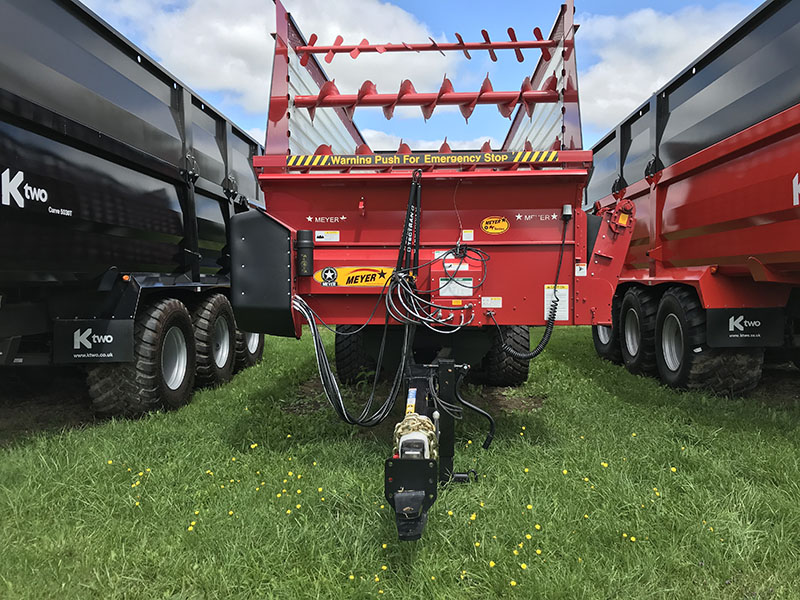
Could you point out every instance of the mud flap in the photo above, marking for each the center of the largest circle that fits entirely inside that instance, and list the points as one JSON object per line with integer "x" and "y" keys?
{"x": 261, "y": 286}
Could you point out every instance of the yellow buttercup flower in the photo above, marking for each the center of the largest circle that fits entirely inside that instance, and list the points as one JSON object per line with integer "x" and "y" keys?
{"x": 604, "y": 465}
{"x": 513, "y": 583}
{"x": 523, "y": 566}
{"x": 491, "y": 564}
{"x": 538, "y": 551}
{"x": 528, "y": 536}
{"x": 537, "y": 527}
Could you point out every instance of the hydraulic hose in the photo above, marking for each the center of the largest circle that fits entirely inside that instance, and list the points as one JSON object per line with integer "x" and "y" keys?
{"x": 551, "y": 315}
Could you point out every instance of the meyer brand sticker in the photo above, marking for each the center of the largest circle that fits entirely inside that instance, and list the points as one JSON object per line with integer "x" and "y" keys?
{"x": 326, "y": 236}
{"x": 495, "y": 225}
{"x": 353, "y": 276}
{"x": 419, "y": 158}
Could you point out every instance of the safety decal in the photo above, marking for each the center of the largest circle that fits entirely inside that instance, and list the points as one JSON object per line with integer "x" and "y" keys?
{"x": 419, "y": 158}
{"x": 495, "y": 225}
{"x": 353, "y": 276}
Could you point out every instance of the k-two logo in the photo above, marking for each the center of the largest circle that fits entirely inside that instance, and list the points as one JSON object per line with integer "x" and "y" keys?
{"x": 739, "y": 323}
{"x": 17, "y": 190}
{"x": 85, "y": 339}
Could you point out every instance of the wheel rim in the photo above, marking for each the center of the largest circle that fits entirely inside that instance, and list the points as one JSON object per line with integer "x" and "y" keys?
{"x": 604, "y": 334}
{"x": 672, "y": 342}
{"x": 252, "y": 340}
{"x": 174, "y": 357}
{"x": 221, "y": 342}
{"x": 632, "y": 332}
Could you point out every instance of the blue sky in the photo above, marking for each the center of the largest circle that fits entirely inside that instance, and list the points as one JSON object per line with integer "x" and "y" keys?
{"x": 625, "y": 51}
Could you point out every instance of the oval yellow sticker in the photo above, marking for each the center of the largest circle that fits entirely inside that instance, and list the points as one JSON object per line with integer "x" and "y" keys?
{"x": 495, "y": 225}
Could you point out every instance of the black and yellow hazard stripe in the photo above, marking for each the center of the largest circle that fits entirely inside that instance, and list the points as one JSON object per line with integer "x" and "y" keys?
{"x": 299, "y": 161}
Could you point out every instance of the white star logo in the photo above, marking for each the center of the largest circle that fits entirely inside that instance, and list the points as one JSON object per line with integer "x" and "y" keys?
{"x": 519, "y": 217}
{"x": 309, "y": 219}
{"x": 343, "y": 218}
{"x": 554, "y": 216}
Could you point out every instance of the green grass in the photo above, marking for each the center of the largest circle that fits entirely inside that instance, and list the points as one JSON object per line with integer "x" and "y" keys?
{"x": 724, "y": 524}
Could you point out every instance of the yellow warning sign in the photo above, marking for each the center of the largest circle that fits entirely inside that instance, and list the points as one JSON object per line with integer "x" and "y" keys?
{"x": 353, "y": 276}
{"x": 419, "y": 158}
{"x": 495, "y": 225}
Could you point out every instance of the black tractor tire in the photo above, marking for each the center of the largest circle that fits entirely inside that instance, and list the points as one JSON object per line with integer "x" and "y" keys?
{"x": 249, "y": 349}
{"x": 606, "y": 337}
{"x": 215, "y": 340}
{"x": 133, "y": 389}
{"x": 353, "y": 362}
{"x": 499, "y": 368}
{"x": 637, "y": 330}
{"x": 686, "y": 362}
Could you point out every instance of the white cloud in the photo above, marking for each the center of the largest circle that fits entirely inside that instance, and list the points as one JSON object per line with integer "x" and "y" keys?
{"x": 224, "y": 45}
{"x": 380, "y": 140}
{"x": 641, "y": 51}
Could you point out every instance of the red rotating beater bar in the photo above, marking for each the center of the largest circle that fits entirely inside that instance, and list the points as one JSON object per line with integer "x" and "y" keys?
{"x": 434, "y": 46}
{"x": 368, "y": 95}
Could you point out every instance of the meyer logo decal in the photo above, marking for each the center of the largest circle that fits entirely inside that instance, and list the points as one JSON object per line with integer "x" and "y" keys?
{"x": 738, "y": 323}
{"x": 495, "y": 225}
{"x": 86, "y": 340}
{"x": 353, "y": 276}
{"x": 11, "y": 190}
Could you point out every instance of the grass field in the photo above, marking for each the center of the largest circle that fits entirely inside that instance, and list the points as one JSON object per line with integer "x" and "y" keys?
{"x": 599, "y": 484}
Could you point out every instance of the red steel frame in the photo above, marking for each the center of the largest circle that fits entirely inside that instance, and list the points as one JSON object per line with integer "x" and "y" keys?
{"x": 523, "y": 190}
{"x": 725, "y": 220}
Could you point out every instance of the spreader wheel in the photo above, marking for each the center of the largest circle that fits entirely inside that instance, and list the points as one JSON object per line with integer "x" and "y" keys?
{"x": 163, "y": 368}
{"x": 500, "y": 368}
{"x": 686, "y": 362}
{"x": 249, "y": 349}
{"x": 606, "y": 337}
{"x": 215, "y": 338}
{"x": 353, "y": 362}
{"x": 637, "y": 328}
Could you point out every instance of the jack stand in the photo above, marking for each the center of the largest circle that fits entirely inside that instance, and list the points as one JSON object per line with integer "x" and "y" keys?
{"x": 424, "y": 449}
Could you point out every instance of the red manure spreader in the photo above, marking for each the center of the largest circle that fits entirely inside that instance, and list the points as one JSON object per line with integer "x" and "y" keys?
{"x": 430, "y": 265}
{"x": 712, "y": 279}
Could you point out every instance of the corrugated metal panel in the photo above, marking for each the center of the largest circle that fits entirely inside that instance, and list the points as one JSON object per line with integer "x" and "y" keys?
{"x": 544, "y": 125}
{"x": 326, "y": 128}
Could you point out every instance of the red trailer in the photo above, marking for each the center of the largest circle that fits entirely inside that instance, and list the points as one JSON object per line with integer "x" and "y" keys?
{"x": 711, "y": 162}
{"x": 430, "y": 264}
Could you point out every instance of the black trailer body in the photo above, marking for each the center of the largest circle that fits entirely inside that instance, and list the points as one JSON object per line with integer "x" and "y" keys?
{"x": 118, "y": 183}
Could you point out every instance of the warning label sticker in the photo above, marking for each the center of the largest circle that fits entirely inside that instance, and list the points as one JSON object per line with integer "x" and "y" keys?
{"x": 562, "y": 314}
{"x": 326, "y": 236}
{"x": 419, "y": 158}
{"x": 455, "y": 286}
{"x": 353, "y": 276}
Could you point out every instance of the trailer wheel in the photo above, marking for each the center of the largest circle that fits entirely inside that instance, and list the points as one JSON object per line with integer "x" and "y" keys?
{"x": 606, "y": 337}
{"x": 215, "y": 339}
{"x": 249, "y": 349}
{"x": 500, "y": 369}
{"x": 637, "y": 328}
{"x": 685, "y": 362}
{"x": 353, "y": 363}
{"x": 162, "y": 373}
